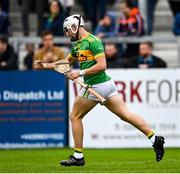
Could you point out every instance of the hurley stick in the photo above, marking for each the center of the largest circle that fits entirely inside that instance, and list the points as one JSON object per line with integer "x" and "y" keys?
{"x": 63, "y": 67}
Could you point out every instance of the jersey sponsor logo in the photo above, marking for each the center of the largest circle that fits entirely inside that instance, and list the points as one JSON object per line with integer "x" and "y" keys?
{"x": 82, "y": 58}
{"x": 84, "y": 55}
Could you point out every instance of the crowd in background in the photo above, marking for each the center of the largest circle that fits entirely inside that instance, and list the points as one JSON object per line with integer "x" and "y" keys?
{"x": 51, "y": 14}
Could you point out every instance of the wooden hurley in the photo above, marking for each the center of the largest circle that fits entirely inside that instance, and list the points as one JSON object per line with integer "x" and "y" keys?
{"x": 63, "y": 68}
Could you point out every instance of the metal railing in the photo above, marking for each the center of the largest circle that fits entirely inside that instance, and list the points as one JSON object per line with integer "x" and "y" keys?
{"x": 17, "y": 41}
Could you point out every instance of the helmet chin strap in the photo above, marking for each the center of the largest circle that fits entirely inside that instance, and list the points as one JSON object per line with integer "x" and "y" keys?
{"x": 73, "y": 39}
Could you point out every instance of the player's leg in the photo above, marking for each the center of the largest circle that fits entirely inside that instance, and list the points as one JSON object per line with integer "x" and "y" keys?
{"x": 80, "y": 108}
{"x": 116, "y": 105}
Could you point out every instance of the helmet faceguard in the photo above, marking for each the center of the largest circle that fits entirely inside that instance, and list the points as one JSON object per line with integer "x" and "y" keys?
{"x": 73, "y": 23}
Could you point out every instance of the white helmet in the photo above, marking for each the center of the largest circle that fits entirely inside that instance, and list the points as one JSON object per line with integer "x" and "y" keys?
{"x": 73, "y": 20}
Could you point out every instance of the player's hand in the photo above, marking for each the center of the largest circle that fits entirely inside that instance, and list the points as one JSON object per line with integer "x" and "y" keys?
{"x": 50, "y": 58}
{"x": 3, "y": 63}
{"x": 38, "y": 64}
{"x": 73, "y": 75}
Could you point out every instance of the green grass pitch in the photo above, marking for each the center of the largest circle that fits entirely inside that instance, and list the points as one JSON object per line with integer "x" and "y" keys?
{"x": 97, "y": 160}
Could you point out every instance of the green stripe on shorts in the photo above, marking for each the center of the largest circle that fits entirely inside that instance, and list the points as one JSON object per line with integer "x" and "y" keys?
{"x": 86, "y": 92}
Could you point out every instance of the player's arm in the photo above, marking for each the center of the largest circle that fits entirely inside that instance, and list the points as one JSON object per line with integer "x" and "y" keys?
{"x": 38, "y": 64}
{"x": 70, "y": 57}
{"x": 50, "y": 66}
{"x": 97, "y": 50}
{"x": 98, "y": 67}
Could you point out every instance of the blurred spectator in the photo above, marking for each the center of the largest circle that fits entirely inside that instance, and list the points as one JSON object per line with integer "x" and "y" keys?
{"x": 113, "y": 58}
{"x": 94, "y": 10}
{"x": 176, "y": 25}
{"x": 151, "y": 5}
{"x": 67, "y": 4}
{"x": 175, "y": 6}
{"x": 111, "y": 2}
{"x": 4, "y": 22}
{"x": 5, "y": 5}
{"x": 130, "y": 24}
{"x": 32, "y": 5}
{"x": 48, "y": 53}
{"x": 85, "y": 7}
{"x": 55, "y": 20}
{"x": 98, "y": 12}
{"x": 28, "y": 59}
{"x": 8, "y": 58}
{"x": 135, "y": 3}
{"x": 106, "y": 27}
{"x": 146, "y": 59}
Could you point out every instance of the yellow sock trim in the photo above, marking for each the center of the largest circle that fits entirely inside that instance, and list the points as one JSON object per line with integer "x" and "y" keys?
{"x": 150, "y": 134}
{"x": 80, "y": 150}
